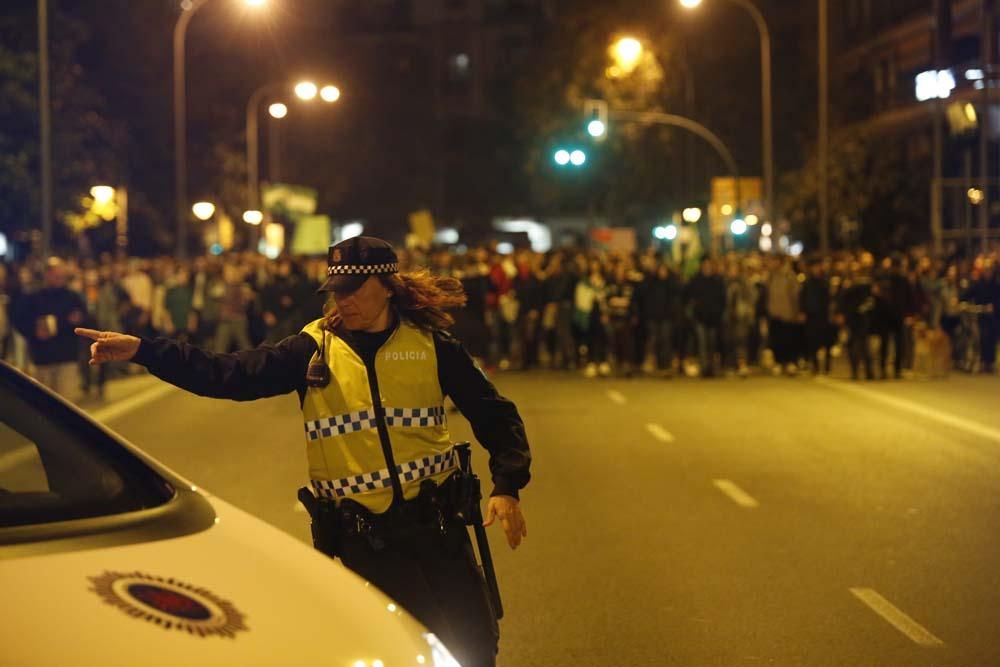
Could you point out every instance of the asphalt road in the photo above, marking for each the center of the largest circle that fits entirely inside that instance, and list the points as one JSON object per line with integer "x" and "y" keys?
{"x": 772, "y": 521}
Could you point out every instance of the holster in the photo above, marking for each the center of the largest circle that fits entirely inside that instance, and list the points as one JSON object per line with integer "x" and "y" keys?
{"x": 325, "y": 526}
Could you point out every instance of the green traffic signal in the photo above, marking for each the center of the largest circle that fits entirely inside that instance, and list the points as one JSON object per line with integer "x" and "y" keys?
{"x": 565, "y": 157}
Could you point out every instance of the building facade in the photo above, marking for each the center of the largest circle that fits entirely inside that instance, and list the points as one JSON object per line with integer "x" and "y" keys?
{"x": 455, "y": 64}
{"x": 899, "y": 68}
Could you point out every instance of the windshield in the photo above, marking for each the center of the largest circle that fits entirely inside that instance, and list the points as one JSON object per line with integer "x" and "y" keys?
{"x": 57, "y": 466}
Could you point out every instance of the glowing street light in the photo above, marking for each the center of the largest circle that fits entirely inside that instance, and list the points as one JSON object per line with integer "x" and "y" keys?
{"x": 253, "y": 217}
{"x": 203, "y": 210}
{"x": 278, "y": 110}
{"x": 578, "y": 158}
{"x": 256, "y": 3}
{"x": 102, "y": 194}
{"x": 752, "y": 219}
{"x": 626, "y": 52}
{"x": 691, "y": 215}
{"x": 738, "y": 227}
{"x": 562, "y": 157}
{"x": 329, "y": 93}
{"x": 690, "y": 4}
{"x": 306, "y": 90}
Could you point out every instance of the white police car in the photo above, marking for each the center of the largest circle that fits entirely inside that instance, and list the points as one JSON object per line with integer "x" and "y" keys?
{"x": 108, "y": 558}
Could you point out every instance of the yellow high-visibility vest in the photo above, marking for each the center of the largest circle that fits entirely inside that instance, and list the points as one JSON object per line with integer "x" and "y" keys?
{"x": 342, "y": 420}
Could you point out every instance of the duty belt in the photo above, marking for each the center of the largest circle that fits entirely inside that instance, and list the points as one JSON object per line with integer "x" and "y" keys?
{"x": 410, "y": 471}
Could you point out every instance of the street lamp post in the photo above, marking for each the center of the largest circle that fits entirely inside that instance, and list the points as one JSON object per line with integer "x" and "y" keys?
{"x": 45, "y": 121}
{"x": 824, "y": 128}
{"x": 328, "y": 93}
{"x": 766, "y": 107}
{"x": 188, "y": 10}
{"x": 180, "y": 125}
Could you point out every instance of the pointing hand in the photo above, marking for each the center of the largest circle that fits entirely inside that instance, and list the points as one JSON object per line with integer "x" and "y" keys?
{"x": 109, "y": 345}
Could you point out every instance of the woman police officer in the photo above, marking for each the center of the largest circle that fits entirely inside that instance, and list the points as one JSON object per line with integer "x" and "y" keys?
{"x": 371, "y": 376}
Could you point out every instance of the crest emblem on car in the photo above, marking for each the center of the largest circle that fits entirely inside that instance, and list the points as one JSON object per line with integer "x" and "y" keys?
{"x": 336, "y": 255}
{"x": 169, "y": 603}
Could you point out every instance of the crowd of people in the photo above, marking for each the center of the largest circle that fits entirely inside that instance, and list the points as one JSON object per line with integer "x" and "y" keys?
{"x": 594, "y": 312}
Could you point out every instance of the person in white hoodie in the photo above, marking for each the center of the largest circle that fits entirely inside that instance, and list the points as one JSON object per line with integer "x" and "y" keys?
{"x": 783, "y": 314}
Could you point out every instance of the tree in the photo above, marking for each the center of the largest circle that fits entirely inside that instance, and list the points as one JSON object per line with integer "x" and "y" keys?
{"x": 84, "y": 141}
{"x": 878, "y": 195}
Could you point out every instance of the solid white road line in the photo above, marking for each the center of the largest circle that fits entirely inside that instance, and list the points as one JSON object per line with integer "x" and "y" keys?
{"x": 735, "y": 493}
{"x": 17, "y": 457}
{"x": 895, "y": 617}
{"x": 124, "y": 406}
{"x": 616, "y": 396}
{"x": 659, "y": 433}
{"x": 967, "y": 425}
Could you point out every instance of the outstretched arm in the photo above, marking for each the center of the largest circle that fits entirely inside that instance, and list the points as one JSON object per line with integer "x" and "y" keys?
{"x": 267, "y": 370}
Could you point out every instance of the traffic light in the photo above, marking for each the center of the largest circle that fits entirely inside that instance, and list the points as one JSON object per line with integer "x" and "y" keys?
{"x": 596, "y": 113}
{"x": 566, "y": 157}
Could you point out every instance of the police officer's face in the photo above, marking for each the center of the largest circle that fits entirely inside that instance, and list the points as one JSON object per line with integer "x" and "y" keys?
{"x": 363, "y": 308}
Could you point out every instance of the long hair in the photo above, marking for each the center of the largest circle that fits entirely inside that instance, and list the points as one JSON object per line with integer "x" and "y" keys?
{"x": 420, "y": 298}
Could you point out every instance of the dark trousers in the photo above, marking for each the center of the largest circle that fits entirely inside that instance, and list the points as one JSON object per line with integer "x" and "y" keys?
{"x": 622, "y": 338}
{"x": 895, "y": 331}
{"x": 708, "y": 344}
{"x": 818, "y": 338}
{"x": 988, "y": 341}
{"x": 858, "y": 350}
{"x": 783, "y": 339}
{"x": 437, "y": 580}
{"x": 661, "y": 337}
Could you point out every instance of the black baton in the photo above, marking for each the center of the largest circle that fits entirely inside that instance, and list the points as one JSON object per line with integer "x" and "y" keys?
{"x": 473, "y": 516}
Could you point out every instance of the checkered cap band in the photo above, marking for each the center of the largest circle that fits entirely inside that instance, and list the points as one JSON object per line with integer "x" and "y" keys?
{"x": 411, "y": 471}
{"x": 361, "y": 269}
{"x": 367, "y": 419}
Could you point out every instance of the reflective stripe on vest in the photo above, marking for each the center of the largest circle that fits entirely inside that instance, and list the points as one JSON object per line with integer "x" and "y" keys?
{"x": 365, "y": 419}
{"x": 411, "y": 471}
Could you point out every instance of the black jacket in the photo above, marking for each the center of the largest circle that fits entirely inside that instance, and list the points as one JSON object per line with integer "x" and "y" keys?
{"x": 273, "y": 370}
{"x": 706, "y": 296}
{"x": 69, "y": 311}
{"x": 661, "y": 299}
{"x": 814, "y": 300}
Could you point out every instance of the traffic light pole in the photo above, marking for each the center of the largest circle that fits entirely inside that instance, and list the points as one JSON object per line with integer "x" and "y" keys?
{"x": 658, "y": 118}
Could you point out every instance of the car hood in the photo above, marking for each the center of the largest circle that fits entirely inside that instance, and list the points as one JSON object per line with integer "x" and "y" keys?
{"x": 239, "y": 593}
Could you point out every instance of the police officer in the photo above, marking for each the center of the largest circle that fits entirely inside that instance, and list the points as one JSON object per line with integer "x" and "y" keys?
{"x": 371, "y": 376}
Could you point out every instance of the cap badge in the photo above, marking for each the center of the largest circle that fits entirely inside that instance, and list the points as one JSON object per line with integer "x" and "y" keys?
{"x": 336, "y": 255}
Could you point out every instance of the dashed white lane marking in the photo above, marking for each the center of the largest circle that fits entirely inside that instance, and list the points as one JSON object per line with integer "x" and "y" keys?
{"x": 916, "y": 408}
{"x": 616, "y": 396}
{"x": 895, "y": 617}
{"x": 17, "y": 457}
{"x": 131, "y": 403}
{"x": 660, "y": 433}
{"x": 735, "y": 493}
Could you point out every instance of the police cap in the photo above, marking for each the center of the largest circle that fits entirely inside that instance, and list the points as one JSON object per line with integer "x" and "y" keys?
{"x": 350, "y": 263}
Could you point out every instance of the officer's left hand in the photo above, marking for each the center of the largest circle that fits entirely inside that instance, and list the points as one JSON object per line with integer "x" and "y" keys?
{"x": 508, "y": 510}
